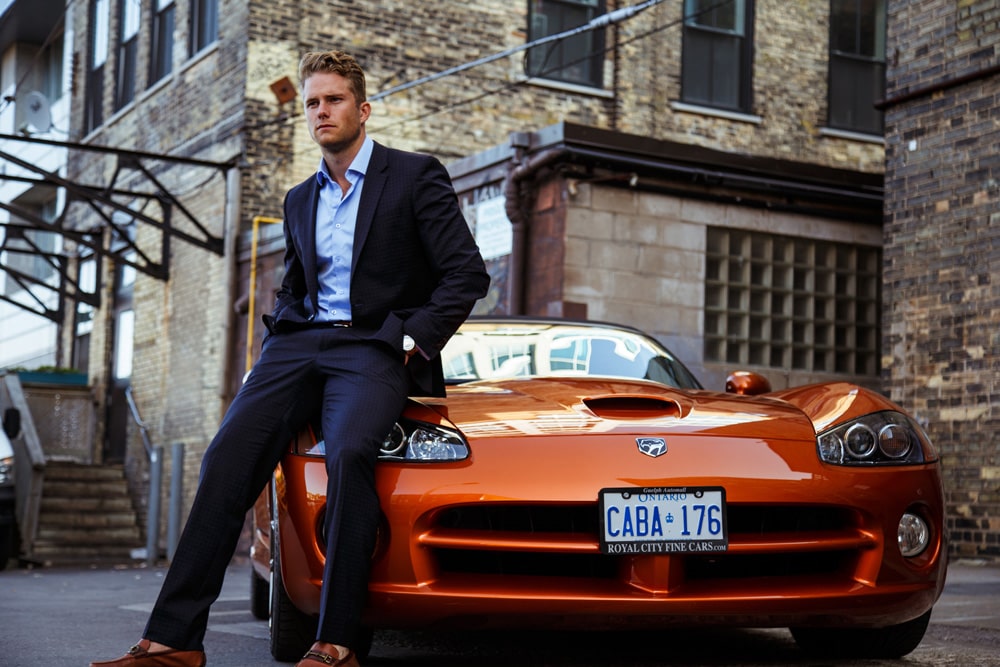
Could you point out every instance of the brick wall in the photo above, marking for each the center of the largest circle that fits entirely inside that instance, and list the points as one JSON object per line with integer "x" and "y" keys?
{"x": 182, "y": 325}
{"x": 398, "y": 42}
{"x": 218, "y": 105}
{"x": 941, "y": 347}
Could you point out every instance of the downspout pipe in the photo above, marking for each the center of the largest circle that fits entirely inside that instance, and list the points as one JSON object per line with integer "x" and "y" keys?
{"x": 518, "y": 204}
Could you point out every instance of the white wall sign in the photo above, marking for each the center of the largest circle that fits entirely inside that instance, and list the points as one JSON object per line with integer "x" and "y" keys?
{"x": 493, "y": 230}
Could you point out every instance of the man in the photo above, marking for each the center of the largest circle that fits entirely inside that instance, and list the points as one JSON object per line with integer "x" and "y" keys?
{"x": 380, "y": 270}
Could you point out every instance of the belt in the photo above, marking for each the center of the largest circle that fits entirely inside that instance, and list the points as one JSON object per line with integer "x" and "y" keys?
{"x": 331, "y": 324}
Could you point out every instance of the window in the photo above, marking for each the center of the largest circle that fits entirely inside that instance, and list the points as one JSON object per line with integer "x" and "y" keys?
{"x": 161, "y": 51}
{"x": 792, "y": 303}
{"x": 718, "y": 53}
{"x": 128, "y": 51}
{"x": 94, "y": 103}
{"x": 30, "y": 254}
{"x": 578, "y": 59}
{"x": 52, "y": 74}
{"x": 84, "y": 319}
{"x": 204, "y": 24}
{"x": 857, "y": 64}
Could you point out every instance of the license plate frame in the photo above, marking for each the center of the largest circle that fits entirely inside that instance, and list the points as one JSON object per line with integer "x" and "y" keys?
{"x": 663, "y": 520}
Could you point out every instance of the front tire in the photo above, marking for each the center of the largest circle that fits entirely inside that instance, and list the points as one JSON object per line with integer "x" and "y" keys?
{"x": 260, "y": 596}
{"x": 893, "y": 641}
{"x": 292, "y": 631}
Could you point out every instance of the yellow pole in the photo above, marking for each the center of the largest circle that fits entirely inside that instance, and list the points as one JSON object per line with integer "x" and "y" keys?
{"x": 253, "y": 286}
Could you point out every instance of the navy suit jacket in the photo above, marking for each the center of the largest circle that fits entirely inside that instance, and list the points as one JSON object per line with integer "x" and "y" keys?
{"x": 415, "y": 268}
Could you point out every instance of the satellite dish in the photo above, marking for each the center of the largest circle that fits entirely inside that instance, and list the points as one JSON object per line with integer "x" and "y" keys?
{"x": 36, "y": 111}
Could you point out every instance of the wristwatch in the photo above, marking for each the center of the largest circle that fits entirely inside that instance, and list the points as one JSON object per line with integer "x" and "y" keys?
{"x": 408, "y": 343}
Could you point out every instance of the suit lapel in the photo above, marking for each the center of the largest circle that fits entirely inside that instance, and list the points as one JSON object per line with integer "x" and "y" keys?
{"x": 375, "y": 179}
{"x": 305, "y": 230}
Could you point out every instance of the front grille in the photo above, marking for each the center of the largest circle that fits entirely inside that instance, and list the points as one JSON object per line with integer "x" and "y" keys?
{"x": 521, "y": 564}
{"x": 512, "y": 517}
{"x": 765, "y": 541}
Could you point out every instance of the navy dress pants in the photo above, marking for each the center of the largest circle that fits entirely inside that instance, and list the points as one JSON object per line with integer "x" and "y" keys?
{"x": 360, "y": 385}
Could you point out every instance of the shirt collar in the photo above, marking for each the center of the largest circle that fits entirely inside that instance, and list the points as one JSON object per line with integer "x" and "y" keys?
{"x": 359, "y": 165}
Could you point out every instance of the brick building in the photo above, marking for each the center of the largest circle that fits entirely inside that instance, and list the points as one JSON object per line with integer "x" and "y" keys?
{"x": 942, "y": 231}
{"x": 713, "y": 175}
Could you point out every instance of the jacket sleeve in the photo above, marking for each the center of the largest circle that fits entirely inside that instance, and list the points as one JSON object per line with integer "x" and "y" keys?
{"x": 454, "y": 257}
{"x": 291, "y": 295}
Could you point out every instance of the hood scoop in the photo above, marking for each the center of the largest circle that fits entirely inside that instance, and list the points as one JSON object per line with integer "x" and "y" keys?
{"x": 629, "y": 407}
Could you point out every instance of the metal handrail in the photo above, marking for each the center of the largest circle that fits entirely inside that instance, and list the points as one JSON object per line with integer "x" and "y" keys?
{"x": 29, "y": 460}
{"x": 143, "y": 431}
{"x": 155, "y": 456}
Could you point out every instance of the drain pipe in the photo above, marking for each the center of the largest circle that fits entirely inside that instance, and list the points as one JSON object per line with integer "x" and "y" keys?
{"x": 518, "y": 204}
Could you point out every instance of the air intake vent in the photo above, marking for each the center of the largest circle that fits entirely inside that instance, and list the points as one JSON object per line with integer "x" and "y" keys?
{"x": 624, "y": 407}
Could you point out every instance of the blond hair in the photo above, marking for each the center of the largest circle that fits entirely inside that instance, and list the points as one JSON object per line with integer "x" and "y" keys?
{"x": 334, "y": 62}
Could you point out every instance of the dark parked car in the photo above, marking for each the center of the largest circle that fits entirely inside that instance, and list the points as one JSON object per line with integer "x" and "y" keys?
{"x": 8, "y": 523}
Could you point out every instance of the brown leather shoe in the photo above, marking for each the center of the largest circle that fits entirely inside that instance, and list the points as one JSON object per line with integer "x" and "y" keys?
{"x": 139, "y": 656}
{"x": 315, "y": 658}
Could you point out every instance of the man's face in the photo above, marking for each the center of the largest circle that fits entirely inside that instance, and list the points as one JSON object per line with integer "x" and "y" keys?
{"x": 336, "y": 120}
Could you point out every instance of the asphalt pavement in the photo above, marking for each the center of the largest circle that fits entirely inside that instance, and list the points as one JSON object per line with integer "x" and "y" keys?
{"x": 68, "y": 617}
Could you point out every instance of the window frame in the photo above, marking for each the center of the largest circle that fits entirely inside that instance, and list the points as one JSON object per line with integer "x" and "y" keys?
{"x": 858, "y": 68}
{"x": 51, "y": 58}
{"x": 126, "y": 67}
{"x": 694, "y": 68}
{"x": 593, "y": 42}
{"x": 203, "y": 26}
{"x": 97, "y": 57}
{"x": 161, "y": 48}
{"x": 32, "y": 253}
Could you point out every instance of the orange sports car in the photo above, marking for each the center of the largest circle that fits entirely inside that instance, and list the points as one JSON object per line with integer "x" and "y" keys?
{"x": 578, "y": 475}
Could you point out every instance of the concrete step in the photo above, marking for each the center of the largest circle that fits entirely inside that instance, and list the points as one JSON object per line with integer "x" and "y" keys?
{"x": 86, "y": 519}
{"x": 83, "y": 489}
{"x": 73, "y": 505}
{"x": 86, "y": 516}
{"x": 88, "y": 536}
{"x": 61, "y": 555}
{"x": 69, "y": 472}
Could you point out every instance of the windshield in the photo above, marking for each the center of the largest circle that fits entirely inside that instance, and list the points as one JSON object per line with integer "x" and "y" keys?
{"x": 482, "y": 350}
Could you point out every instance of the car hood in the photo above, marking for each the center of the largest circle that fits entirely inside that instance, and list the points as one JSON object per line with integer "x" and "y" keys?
{"x": 527, "y": 407}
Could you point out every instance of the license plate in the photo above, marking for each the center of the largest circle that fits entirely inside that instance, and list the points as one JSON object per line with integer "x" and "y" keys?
{"x": 662, "y": 520}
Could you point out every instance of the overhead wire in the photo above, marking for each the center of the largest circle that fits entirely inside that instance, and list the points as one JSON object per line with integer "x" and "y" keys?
{"x": 602, "y": 21}
{"x": 515, "y": 84}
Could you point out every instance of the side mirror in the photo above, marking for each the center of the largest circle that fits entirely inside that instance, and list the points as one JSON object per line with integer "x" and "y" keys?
{"x": 12, "y": 423}
{"x": 747, "y": 383}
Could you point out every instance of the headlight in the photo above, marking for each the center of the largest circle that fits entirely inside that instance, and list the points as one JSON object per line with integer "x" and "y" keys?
{"x": 884, "y": 438}
{"x": 408, "y": 440}
{"x": 417, "y": 441}
{"x": 7, "y": 470}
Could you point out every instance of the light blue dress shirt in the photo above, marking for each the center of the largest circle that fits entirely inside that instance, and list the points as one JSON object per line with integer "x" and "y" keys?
{"x": 336, "y": 218}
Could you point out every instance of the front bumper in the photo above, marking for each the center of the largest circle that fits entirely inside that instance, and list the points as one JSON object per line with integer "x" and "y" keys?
{"x": 809, "y": 545}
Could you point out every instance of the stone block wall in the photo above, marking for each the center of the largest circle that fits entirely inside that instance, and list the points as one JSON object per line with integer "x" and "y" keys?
{"x": 639, "y": 258}
{"x": 941, "y": 344}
